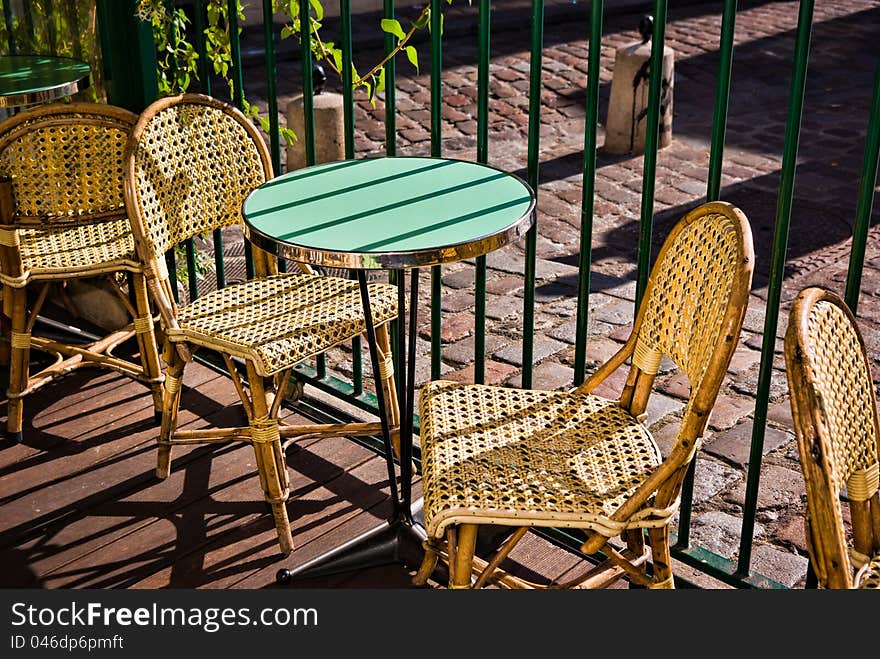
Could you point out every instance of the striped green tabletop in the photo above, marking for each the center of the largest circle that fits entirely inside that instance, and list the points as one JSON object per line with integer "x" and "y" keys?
{"x": 29, "y": 79}
{"x": 394, "y": 212}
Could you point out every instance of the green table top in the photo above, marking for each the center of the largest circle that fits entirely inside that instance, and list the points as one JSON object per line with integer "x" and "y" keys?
{"x": 29, "y": 79}
{"x": 395, "y": 212}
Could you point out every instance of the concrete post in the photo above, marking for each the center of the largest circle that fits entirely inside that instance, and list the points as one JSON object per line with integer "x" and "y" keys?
{"x": 628, "y": 106}
{"x": 329, "y": 130}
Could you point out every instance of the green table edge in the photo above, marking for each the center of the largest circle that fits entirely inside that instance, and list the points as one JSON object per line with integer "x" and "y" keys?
{"x": 73, "y": 76}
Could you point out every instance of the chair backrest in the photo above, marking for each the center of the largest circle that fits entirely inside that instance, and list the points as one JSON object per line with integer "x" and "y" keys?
{"x": 835, "y": 420}
{"x": 692, "y": 311}
{"x": 65, "y": 161}
{"x": 190, "y": 163}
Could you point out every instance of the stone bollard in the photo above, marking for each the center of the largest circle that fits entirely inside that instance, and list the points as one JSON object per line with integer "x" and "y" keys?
{"x": 329, "y": 130}
{"x": 628, "y": 106}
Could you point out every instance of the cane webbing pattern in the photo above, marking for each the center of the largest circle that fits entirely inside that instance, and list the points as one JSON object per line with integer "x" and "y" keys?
{"x": 868, "y": 578}
{"x": 528, "y": 457}
{"x": 842, "y": 383}
{"x": 280, "y": 320}
{"x": 57, "y": 252}
{"x": 66, "y": 166}
{"x": 194, "y": 166}
{"x": 689, "y": 294}
{"x": 42, "y": 160}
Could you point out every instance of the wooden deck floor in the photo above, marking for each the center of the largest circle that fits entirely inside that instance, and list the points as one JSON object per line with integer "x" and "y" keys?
{"x": 80, "y": 506}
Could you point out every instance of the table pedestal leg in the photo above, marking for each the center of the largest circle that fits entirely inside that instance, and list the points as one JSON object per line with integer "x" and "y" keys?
{"x": 398, "y": 540}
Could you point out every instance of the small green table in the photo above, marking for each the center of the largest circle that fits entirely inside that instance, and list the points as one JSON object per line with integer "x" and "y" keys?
{"x": 30, "y": 79}
{"x": 393, "y": 213}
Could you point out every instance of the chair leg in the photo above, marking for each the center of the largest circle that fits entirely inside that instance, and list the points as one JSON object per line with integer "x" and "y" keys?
{"x": 271, "y": 465}
{"x": 147, "y": 346}
{"x": 661, "y": 558}
{"x": 429, "y": 562}
{"x": 463, "y": 559}
{"x": 386, "y": 377}
{"x": 170, "y": 408}
{"x": 19, "y": 358}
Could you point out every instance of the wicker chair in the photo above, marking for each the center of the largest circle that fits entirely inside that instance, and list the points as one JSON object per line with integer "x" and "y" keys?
{"x": 62, "y": 217}
{"x": 528, "y": 458}
{"x": 191, "y": 162}
{"x": 835, "y": 420}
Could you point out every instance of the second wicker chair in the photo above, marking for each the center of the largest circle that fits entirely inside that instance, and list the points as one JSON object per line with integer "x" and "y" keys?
{"x": 834, "y": 408}
{"x": 191, "y": 162}
{"x": 529, "y": 458}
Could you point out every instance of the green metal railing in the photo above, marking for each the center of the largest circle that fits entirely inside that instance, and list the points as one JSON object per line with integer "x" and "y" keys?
{"x": 737, "y": 573}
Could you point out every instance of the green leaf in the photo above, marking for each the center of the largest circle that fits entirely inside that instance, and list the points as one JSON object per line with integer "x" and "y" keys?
{"x": 288, "y": 135}
{"x": 412, "y": 56}
{"x": 319, "y": 9}
{"x": 392, "y": 26}
{"x": 380, "y": 85}
{"x": 337, "y": 58}
{"x": 422, "y": 20}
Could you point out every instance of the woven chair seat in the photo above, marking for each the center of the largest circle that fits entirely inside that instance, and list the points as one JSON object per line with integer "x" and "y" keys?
{"x": 280, "y": 320}
{"x": 59, "y": 252}
{"x": 527, "y": 457}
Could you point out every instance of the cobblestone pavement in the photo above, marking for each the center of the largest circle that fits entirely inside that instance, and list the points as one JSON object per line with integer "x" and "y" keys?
{"x": 837, "y": 103}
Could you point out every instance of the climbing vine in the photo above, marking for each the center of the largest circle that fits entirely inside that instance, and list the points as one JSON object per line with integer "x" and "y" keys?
{"x": 179, "y": 61}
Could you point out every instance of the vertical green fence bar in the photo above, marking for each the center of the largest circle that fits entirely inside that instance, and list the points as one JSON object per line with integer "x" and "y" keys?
{"x": 389, "y": 43}
{"x": 308, "y": 91}
{"x": 201, "y": 46}
{"x": 652, "y": 128}
{"x": 7, "y": 18}
{"x": 238, "y": 96}
{"x": 535, "y": 63}
{"x": 436, "y": 24}
{"x": 589, "y": 189}
{"x": 483, "y": 40}
{"x": 189, "y": 244}
{"x": 713, "y": 193}
{"x": 774, "y": 286}
{"x": 348, "y": 130}
{"x": 722, "y": 99}
{"x": 865, "y": 201}
{"x": 207, "y": 88}
{"x": 390, "y": 85}
{"x": 271, "y": 85}
{"x": 235, "y": 52}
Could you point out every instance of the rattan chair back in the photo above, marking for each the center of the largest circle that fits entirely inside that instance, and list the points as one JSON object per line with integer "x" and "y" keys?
{"x": 43, "y": 149}
{"x": 834, "y": 409}
{"x": 692, "y": 312}
{"x": 62, "y": 217}
{"x": 197, "y": 159}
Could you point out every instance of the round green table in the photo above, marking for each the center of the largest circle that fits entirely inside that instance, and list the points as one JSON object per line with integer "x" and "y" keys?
{"x": 389, "y": 213}
{"x": 29, "y": 79}
{"x": 393, "y": 213}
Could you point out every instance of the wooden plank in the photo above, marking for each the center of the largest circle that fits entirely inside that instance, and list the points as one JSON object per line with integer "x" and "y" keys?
{"x": 98, "y": 468}
{"x": 352, "y": 527}
{"x": 79, "y": 526}
{"x": 83, "y": 395}
{"x": 253, "y": 546}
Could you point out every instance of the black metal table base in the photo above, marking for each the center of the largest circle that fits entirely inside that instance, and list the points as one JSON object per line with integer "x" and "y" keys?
{"x": 399, "y": 538}
{"x": 394, "y": 542}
